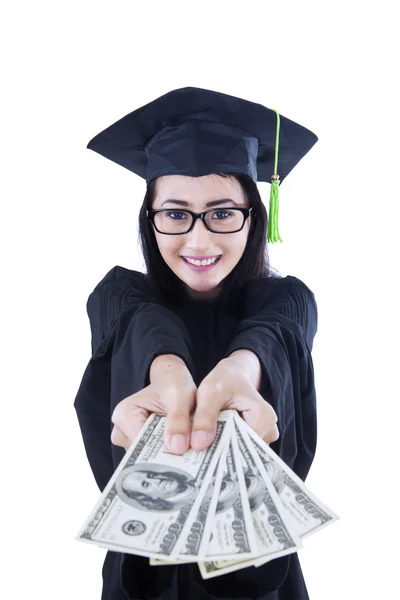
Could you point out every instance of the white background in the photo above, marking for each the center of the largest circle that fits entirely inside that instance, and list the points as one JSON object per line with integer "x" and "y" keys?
{"x": 68, "y": 215}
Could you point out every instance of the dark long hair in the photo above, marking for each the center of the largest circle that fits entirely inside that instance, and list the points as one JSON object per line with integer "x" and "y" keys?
{"x": 253, "y": 265}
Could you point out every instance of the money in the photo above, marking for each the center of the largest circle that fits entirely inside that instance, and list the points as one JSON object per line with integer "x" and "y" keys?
{"x": 307, "y": 512}
{"x": 229, "y": 529}
{"x": 150, "y": 502}
{"x": 233, "y": 534}
{"x": 275, "y": 536}
{"x": 199, "y": 533}
{"x": 200, "y": 530}
{"x": 231, "y": 506}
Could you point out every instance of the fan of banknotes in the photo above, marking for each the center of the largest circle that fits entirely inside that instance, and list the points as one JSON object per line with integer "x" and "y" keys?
{"x": 235, "y": 504}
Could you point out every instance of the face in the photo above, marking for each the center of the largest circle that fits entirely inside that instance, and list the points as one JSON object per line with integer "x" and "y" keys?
{"x": 154, "y": 485}
{"x": 194, "y": 193}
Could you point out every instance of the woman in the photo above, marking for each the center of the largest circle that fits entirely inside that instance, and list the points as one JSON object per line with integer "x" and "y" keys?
{"x": 194, "y": 340}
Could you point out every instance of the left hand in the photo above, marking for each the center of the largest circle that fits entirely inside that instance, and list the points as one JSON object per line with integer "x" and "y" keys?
{"x": 225, "y": 387}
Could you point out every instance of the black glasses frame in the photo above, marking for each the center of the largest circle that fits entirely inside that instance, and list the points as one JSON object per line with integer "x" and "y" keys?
{"x": 150, "y": 214}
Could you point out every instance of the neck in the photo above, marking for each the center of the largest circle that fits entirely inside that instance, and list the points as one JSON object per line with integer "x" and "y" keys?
{"x": 207, "y": 295}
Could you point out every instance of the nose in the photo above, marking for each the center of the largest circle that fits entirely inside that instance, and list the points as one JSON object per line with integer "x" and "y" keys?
{"x": 199, "y": 231}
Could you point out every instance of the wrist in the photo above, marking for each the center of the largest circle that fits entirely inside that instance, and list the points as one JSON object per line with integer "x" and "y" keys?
{"x": 165, "y": 365}
{"x": 248, "y": 363}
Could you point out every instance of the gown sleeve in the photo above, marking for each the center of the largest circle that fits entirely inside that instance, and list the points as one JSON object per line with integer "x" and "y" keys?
{"x": 129, "y": 329}
{"x": 279, "y": 324}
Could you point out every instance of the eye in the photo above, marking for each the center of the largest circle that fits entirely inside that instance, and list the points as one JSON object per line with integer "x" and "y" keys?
{"x": 181, "y": 213}
{"x": 145, "y": 484}
{"x": 223, "y": 212}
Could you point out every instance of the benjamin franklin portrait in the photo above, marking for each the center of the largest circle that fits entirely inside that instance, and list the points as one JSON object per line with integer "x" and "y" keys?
{"x": 255, "y": 486}
{"x": 228, "y": 493}
{"x": 156, "y": 487}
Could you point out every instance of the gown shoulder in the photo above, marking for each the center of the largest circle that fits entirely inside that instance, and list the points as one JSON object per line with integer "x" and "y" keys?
{"x": 118, "y": 290}
{"x": 287, "y": 300}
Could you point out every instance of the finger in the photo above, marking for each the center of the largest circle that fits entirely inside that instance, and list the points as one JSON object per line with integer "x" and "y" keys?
{"x": 120, "y": 439}
{"x": 129, "y": 418}
{"x": 272, "y": 435}
{"x": 205, "y": 418}
{"x": 177, "y": 425}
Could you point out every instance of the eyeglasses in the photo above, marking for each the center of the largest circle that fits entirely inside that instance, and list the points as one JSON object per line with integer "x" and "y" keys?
{"x": 217, "y": 220}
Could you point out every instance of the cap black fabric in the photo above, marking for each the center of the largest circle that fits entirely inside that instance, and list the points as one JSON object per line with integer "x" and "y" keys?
{"x": 193, "y": 131}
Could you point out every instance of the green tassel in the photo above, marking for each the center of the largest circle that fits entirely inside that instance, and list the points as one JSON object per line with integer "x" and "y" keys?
{"x": 273, "y": 232}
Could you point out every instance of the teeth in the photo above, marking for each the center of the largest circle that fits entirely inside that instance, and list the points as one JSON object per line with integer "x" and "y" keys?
{"x": 202, "y": 263}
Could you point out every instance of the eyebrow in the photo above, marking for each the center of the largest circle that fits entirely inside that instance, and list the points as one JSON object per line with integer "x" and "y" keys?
{"x": 212, "y": 203}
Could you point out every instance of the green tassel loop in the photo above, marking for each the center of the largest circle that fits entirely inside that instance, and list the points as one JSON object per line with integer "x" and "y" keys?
{"x": 273, "y": 232}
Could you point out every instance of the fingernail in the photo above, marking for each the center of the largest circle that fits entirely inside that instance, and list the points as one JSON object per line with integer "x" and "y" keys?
{"x": 179, "y": 443}
{"x": 202, "y": 439}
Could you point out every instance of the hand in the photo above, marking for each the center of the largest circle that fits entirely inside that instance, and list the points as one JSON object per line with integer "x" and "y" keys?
{"x": 226, "y": 387}
{"x": 172, "y": 392}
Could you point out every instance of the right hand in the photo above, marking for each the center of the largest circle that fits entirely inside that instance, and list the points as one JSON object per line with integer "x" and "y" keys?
{"x": 172, "y": 393}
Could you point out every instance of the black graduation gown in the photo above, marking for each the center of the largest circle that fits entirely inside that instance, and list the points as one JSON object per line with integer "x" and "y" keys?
{"x": 278, "y": 322}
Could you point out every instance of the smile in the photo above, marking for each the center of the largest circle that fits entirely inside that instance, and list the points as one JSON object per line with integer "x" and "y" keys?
{"x": 204, "y": 265}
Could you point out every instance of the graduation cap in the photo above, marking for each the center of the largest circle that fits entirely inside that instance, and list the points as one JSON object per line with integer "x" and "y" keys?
{"x": 194, "y": 132}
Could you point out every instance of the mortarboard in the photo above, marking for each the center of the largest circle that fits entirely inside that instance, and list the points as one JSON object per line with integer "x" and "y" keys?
{"x": 194, "y": 132}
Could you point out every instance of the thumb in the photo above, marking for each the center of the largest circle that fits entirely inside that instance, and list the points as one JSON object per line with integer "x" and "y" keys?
{"x": 205, "y": 418}
{"x": 129, "y": 420}
{"x": 177, "y": 426}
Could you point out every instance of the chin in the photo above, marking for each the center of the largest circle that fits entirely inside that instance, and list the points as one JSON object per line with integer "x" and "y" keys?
{"x": 203, "y": 287}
